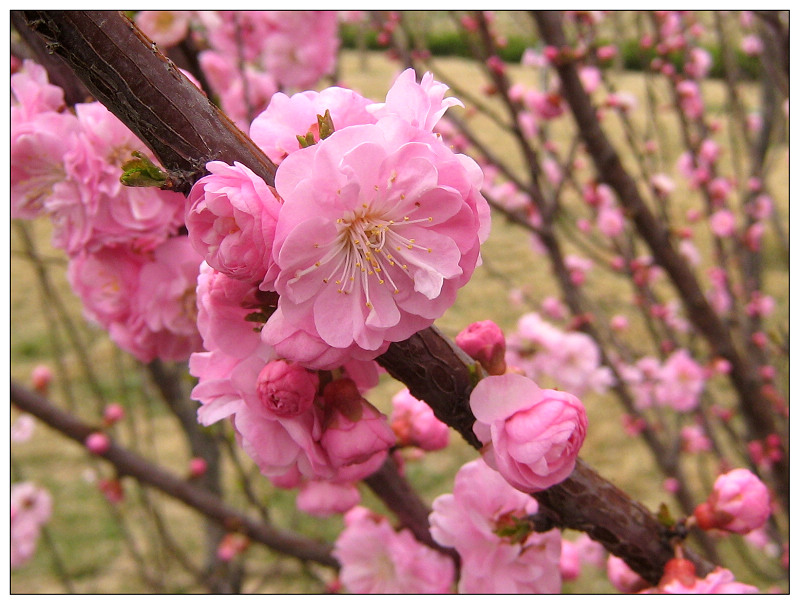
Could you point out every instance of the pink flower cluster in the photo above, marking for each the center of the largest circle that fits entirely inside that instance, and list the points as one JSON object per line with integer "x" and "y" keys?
{"x": 290, "y": 426}
{"x": 371, "y": 230}
{"x": 135, "y": 276}
{"x": 376, "y": 559}
{"x": 677, "y": 382}
{"x": 570, "y": 360}
{"x": 484, "y": 519}
{"x": 31, "y": 507}
{"x": 253, "y": 54}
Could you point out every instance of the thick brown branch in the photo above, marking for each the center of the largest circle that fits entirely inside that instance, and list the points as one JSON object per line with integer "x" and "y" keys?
{"x": 127, "y": 73}
{"x": 130, "y": 464}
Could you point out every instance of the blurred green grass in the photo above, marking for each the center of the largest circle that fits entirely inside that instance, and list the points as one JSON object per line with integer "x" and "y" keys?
{"x": 83, "y": 528}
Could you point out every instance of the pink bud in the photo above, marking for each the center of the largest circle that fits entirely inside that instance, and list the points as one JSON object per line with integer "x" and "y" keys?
{"x": 287, "y": 389}
{"x": 739, "y": 503}
{"x": 97, "y": 443}
{"x": 197, "y": 467}
{"x": 112, "y": 414}
{"x": 531, "y": 436}
{"x": 41, "y": 377}
{"x": 484, "y": 342}
{"x": 354, "y": 432}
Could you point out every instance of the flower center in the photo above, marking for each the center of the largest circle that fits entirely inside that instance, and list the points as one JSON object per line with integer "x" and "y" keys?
{"x": 368, "y": 248}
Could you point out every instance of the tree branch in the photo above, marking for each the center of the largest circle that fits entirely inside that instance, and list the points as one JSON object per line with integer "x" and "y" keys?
{"x": 130, "y": 464}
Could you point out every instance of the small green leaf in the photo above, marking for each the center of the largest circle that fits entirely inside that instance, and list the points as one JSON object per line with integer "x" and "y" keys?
{"x": 141, "y": 172}
{"x": 664, "y": 516}
{"x": 307, "y": 140}
{"x": 325, "y": 124}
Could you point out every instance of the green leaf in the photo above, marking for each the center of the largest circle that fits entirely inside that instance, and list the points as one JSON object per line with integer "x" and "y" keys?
{"x": 141, "y": 172}
{"x": 325, "y": 124}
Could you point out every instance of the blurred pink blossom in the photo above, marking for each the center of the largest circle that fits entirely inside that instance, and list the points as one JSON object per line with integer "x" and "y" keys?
{"x": 31, "y": 507}
{"x": 484, "y": 520}
{"x": 165, "y": 28}
{"x": 326, "y": 498}
{"x": 376, "y": 559}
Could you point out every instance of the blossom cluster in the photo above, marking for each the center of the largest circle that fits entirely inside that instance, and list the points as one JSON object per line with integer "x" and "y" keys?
{"x": 248, "y": 56}
{"x": 127, "y": 262}
{"x": 31, "y": 508}
{"x": 371, "y": 227}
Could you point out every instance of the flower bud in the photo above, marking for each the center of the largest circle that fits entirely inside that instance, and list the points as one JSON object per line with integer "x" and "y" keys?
{"x": 97, "y": 443}
{"x": 484, "y": 342}
{"x": 287, "y": 389}
{"x": 531, "y": 436}
{"x": 738, "y": 503}
{"x": 41, "y": 377}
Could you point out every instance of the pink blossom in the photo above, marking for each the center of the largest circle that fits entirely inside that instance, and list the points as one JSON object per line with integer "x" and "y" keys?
{"x": 40, "y": 137}
{"x": 760, "y": 305}
{"x": 165, "y": 28}
{"x": 485, "y": 342}
{"x": 414, "y": 424}
{"x": 618, "y": 323}
{"x": 93, "y": 208}
{"x": 680, "y": 382}
{"x": 761, "y": 207}
{"x": 694, "y": 439}
{"x": 163, "y": 319}
{"x": 97, "y": 443}
{"x": 354, "y": 431}
{"x": 326, "y": 498}
{"x": 570, "y": 563}
{"x": 421, "y": 105}
{"x": 112, "y": 414}
{"x": 376, "y": 559}
{"x": 699, "y": 63}
{"x": 691, "y": 100}
{"x": 41, "y": 377}
{"x": 380, "y": 226}
{"x": 484, "y": 519}
{"x": 752, "y": 45}
{"x": 679, "y": 578}
{"x": 197, "y": 467}
{"x": 231, "y": 216}
{"x": 276, "y": 129}
{"x": 622, "y": 577}
{"x": 22, "y": 428}
{"x": 610, "y": 221}
{"x": 739, "y": 503}
{"x": 243, "y": 93}
{"x": 531, "y": 436}
{"x": 723, "y": 223}
{"x": 223, "y": 306}
{"x": 145, "y": 301}
{"x": 571, "y": 360}
{"x": 662, "y": 184}
{"x": 301, "y": 47}
{"x": 545, "y": 105}
{"x": 287, "y": 389}
{"x": 31, "y": 507}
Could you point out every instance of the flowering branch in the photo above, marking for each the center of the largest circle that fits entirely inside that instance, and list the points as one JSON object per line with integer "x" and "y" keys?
{"x": 130, "y": 464}
{"x": 744, "y": 376}
{"x": 145, "y": 90}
